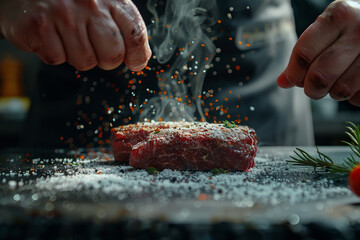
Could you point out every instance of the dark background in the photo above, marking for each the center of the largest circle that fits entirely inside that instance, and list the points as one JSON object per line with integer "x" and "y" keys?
{"x": 329, "y": 116}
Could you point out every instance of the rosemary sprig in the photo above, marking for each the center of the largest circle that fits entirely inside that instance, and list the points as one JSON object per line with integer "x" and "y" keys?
{"x": 324, "y": 162}
{"x": 303, "y": 158}
{"x": 354, "y": 134}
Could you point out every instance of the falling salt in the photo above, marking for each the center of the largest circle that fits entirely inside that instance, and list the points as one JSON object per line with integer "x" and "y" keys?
{"x": 35, "y": 197}
{"x": 17, "y": 197}
{"x": 12, "y": 184}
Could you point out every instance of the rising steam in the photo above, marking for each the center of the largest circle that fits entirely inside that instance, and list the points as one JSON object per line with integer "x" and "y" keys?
{"x": 177, "y": 39}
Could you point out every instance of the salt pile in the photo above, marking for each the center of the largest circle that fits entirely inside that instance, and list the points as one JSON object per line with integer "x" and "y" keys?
{"x": 271, "y": 183}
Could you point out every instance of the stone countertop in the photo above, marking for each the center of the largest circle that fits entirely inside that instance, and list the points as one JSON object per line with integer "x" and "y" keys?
{"x": 87, "y": 185}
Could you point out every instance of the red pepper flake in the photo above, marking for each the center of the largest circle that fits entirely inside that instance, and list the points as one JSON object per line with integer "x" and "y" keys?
{"x": 203, "y": 197}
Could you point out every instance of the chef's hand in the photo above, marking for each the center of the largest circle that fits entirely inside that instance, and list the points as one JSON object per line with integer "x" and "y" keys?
{"x": 326, "y": 58}
{"x": 84, "y": 33}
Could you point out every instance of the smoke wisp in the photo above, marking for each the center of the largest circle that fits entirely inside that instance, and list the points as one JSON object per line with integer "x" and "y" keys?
{"x": 178, "y": 41}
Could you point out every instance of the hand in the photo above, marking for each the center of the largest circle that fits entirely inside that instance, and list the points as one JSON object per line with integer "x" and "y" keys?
{"x": 326, "y": 58}
{"x": 84, "y": 33}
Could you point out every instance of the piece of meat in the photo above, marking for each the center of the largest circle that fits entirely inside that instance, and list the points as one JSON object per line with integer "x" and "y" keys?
{"x": 187, "y": 146}
{"x": 123, "y": 138}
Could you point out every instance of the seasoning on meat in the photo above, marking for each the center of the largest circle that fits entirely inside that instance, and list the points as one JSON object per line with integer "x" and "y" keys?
{"x": 185, "y": 146}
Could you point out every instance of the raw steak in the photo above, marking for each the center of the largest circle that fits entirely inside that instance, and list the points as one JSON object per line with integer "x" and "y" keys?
{"x": 125, "y": 137}
{"x": 186, "y": 146}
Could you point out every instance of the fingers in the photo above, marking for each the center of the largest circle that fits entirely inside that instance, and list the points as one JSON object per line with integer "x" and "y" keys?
{"x": 134, "y": 32}
{"x": 83, "y": 33}
{"x": 309, "y": 46}
{"x": 283, "y": 82}
{"x": 78, "y": 49}
{"x": 48, "y": 45}
{"x": 107, "y": 41}
{"x": 37, "y": 34}
{"x": 328, "y": 67}
{"x": 355, "y": 100}
{"x": 347, "y": 87}
{"x": 326, "y": 57}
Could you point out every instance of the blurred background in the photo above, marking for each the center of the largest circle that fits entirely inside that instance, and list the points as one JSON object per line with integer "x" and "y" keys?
{"x": 18, "y": 72}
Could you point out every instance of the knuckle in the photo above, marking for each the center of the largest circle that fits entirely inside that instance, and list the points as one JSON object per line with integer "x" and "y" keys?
{"x": 138, "y": 36}
{"x": 65, "y": 13}
{"x": 71, "y": 24}
{"x": 340, "y": 91}
{"x": 117, "y": 58}
{"x": 93, "y": 4}
{"x": 354, "y": 33}
{"x": 37, "y": 21}
{"x": 336, "y": 13}
{"x": 303, "y": 57}
{"x": 112, "y": 61}
{"x": 318, "y": 80}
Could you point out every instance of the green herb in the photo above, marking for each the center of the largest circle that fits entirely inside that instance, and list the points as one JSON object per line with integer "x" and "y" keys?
{"x": 228, "y": 124}
{"x": 157, "y": 131}
{"x": 217, "y": 171}
{"x": 152, "y": 171}
{"x": 324, "y": 163}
